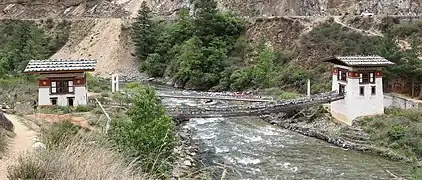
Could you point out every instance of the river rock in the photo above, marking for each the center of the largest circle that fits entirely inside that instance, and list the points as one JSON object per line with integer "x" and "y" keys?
{"x": 184, "y": 136}
{"x": 187, "y": 163}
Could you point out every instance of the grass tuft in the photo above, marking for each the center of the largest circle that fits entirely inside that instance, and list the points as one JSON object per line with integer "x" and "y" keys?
{"x": 79, "y": 160}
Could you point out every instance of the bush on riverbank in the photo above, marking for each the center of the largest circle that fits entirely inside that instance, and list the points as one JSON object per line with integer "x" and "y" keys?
{"x": 148, "y": 135}
{"x": 400, "y": 130}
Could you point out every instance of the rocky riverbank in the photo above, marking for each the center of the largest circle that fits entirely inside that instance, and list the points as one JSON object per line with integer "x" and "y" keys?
{"x": 187, "y": 150}
{"x": 351, "y": 138}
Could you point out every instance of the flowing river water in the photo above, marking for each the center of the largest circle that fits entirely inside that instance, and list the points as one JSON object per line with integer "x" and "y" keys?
{"x": 254, "y": 149}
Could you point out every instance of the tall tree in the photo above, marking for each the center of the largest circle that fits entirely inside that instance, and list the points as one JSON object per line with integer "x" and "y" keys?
{"x": 413, "y": 65}
{"x": 205, "y": 18}
{"x": 144, "y": 32}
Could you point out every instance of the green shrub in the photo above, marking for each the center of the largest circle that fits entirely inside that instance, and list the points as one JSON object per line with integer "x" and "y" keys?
{"x": 280, "y": 93}
{"x": 406, "y": 29}
{"x": 398, "y": 129}
{"x": 397, "y": 132}
{"x": 97, "y": 110}
{"x": 56, "y": 109}
{"x": 59, "y": 134}
{"x": 81, "y": 108}
{"x": 105, "y": 94}
{"x": 288, "y": 95}
{"x": 97, "y": 84}
{"x": 148, "y": 134}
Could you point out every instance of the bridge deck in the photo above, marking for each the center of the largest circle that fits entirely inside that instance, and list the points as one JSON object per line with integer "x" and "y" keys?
{"x": 267, "y": 107}
{"x": 216, "y": 98}
{"x": 236, "y": 111}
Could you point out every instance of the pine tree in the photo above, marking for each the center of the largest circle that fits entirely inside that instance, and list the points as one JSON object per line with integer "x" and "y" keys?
{"x": 144, "y": 32}
{"x": 205, "y": 19}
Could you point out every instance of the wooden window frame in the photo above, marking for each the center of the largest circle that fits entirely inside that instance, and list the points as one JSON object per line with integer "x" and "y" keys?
{"x": 367, "y": 77}
{"x": 342, "y": 74}
{"x": 62, "y": 86}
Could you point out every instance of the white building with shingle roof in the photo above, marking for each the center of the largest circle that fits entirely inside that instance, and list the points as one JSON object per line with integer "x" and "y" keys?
{"x": 62, "y": 82}
{"x": 360, "y": 79}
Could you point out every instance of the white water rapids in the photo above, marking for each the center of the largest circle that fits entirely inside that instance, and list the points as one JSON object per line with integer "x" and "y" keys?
{"x": 254, "y": 149}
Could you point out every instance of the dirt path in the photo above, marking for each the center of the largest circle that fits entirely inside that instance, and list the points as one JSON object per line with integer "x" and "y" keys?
{"x": 20, "y": 143}
{"x": 370, "y": 33}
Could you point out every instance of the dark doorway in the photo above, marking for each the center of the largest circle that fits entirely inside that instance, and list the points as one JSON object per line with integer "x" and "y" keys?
{"x": 70, "y": 101}
{"x": 341, "y": 88}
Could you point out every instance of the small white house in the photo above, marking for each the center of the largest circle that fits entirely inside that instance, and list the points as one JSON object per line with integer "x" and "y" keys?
{"x": 360, "y": 79}
{"x": 61, "y": 82}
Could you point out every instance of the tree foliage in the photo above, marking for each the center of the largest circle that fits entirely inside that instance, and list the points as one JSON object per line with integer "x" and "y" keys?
{"x": 208, "y": 49}
{"x": 148, "y": 135}
{"x": 21, "y": 41}
{"x": 193, "y": 50}
{"x": 144, "y": 30}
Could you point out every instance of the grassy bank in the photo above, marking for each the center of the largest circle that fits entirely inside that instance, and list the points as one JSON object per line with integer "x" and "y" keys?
{"x": 139, "y": 145}
{"x": 399, "y": 130}
{"x": 72, "y": 153}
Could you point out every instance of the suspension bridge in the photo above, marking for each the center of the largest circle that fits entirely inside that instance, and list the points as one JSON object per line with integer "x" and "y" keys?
{"x": 262, "y": 106}
{"x": 252, "y": 110}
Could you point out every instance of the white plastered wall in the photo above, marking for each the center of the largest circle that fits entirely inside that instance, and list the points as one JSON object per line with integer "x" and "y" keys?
{"x": 79, "y": 95}
{"x": 355, "y": 105}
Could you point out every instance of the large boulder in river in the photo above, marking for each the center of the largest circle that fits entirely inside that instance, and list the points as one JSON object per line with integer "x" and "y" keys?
{"x": 5, "y": 123}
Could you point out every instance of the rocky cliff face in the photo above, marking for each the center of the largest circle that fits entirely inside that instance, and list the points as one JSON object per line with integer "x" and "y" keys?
{"x": 59, "y": 8}
{"x": 251, "y": 8}
{"x": 245, "y": 8}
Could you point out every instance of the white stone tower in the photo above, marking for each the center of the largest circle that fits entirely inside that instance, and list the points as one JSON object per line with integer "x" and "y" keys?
{"x": 360, "y": 79}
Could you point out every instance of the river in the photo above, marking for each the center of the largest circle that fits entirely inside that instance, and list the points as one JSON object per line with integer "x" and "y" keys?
{"x": 254, "y": 149}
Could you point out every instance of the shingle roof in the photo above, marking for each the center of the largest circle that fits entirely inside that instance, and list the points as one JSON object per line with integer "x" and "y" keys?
{"x": 35, "y": 66}
{"x": 360, "y": 61}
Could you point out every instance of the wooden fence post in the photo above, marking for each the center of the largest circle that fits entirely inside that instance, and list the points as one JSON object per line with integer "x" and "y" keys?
{"x": 108, "y": 117}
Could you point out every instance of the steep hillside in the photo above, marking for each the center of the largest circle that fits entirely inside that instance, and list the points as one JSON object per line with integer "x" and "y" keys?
{"x": 252, "y": 8}
{"x": 99, "y": 27}
{"x": 59, "y": 8}
{"x": 105, "y": 40}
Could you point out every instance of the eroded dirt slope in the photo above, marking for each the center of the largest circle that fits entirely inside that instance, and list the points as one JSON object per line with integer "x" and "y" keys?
{"x": 108, "y": 44}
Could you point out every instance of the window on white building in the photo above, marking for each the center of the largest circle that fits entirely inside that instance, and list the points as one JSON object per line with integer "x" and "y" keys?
{"x": 342, "y": 74}
{"x": 53, "y": 101}
{"x": 362, "y": 90}
{"x": 371, "y": 77}
{"x": 70, "y": 85}
{"x": 373, "y": 90}
{"x": 61, "y": 87}
{"x": 366, "y": 78}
